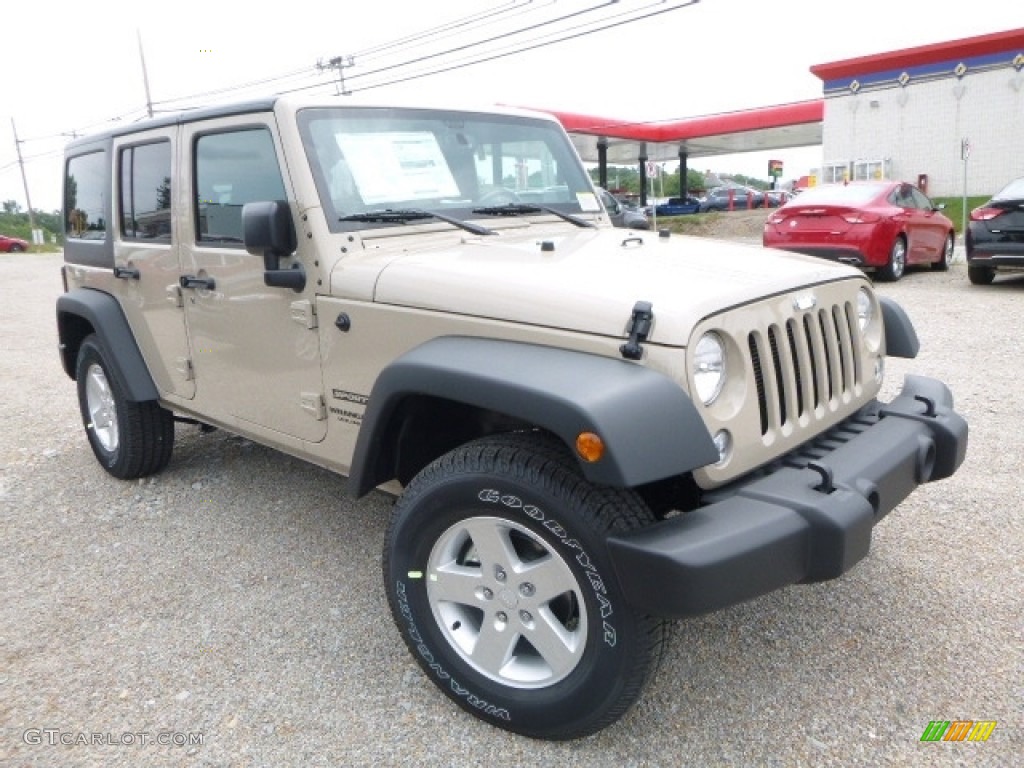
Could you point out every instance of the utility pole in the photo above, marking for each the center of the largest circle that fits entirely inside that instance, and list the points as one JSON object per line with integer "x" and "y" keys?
{"x": 339, "y": 63}
{"x": 145, "y": 77}
{"x": 24, "y": 181}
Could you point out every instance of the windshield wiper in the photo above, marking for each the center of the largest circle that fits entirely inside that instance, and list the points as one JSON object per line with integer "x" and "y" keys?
{"x": 520, "y": 209}
{"x": 403, "y": 215}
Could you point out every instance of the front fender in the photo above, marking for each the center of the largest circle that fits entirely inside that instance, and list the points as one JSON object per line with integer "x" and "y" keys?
{"x": 648, "y": 423}
{"x": 900, "y": 337}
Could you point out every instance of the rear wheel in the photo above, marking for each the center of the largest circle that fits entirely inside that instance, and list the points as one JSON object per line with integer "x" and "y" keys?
{"x": 897, "y": 264}
{"x": 946, "y": 259}
{"x": 498, "y": 577}
{"x": 130, "y": 439}
{"x": 981, "y": 275}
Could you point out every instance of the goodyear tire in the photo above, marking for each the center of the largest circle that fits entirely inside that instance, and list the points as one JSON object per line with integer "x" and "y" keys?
{"x": 129, "y": 439}
{"x": 498, "y": 578}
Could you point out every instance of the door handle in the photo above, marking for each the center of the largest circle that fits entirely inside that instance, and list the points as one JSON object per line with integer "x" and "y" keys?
{"x": 126, "y": 273}
{"x": 191, "y": 281}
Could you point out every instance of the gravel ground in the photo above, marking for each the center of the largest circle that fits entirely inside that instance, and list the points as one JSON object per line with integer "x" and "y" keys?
{"x": 237, "y": 596}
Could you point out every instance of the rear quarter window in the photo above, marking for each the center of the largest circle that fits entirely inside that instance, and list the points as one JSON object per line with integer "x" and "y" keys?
{"x": 85, "y": 197}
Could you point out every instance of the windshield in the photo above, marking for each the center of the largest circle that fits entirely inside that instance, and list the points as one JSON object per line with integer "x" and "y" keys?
{"x": 367, "y": 160}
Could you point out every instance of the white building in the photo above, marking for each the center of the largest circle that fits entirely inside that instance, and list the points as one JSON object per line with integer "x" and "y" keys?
{"x": 914, "y": 114}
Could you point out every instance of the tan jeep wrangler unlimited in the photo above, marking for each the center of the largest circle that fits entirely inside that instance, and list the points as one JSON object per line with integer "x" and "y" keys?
{"x": 590, "y": 432}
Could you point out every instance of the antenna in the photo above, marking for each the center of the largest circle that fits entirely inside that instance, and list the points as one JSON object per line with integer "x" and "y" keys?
{"x": 145, "y": 77}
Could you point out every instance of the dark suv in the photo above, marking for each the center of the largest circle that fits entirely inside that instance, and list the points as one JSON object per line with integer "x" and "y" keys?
{"x": 995, "y": 235}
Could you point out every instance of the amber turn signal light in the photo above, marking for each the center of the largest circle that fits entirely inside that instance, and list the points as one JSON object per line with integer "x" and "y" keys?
{"x": 589, "y": 446}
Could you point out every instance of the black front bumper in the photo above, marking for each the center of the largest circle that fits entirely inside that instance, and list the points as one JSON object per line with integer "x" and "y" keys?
{"x": 807, "y": 518}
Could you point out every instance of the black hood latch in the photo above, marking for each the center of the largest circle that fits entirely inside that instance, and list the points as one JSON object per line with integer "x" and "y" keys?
{"x": 639, "y": 327}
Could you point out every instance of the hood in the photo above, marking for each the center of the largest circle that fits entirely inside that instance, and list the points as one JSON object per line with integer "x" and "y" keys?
{"x": 588, "y": 280}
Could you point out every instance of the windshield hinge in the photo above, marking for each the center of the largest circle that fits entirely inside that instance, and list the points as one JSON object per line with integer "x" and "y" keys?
{"x": 304, "y": 313}
{"x": 638, "y": 329}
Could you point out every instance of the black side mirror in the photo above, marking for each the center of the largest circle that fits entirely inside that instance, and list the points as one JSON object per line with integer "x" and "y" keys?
{"x": 268, "y": 231}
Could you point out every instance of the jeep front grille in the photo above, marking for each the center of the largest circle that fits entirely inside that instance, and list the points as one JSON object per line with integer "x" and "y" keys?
{"x": 802, "y": 366}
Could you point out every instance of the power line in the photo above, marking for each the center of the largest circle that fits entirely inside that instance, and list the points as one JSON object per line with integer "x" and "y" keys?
{"x": 305, "y": 71}
{"x": 485, "y": 41}
{"x": 457, "y": 26}
{"x": 515, "y": 51}
{"x": 365, "y": 53}
{"x": 447, "y": 27}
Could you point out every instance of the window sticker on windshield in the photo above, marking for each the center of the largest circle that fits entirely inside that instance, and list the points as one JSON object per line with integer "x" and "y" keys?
{"x": 588, "y": 201}
{"x": 388, "y": 167}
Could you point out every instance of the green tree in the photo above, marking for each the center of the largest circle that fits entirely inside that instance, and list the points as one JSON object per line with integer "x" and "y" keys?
{"x": 51, "y": 222}
{"x": 163, "y": 194}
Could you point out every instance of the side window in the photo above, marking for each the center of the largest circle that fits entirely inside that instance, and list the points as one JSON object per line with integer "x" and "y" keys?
{"x": 145, "y": 191}
{"x": 901, "y": 197}
{"x": 920, "y": 200}
{"x": 85, "y": 197}
{"x": 231, "y": 169}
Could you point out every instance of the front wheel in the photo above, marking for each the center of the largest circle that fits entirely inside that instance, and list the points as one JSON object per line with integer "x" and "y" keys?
{"x": 130, "y": 439}
{"x": 498, "y": 576}
{"x": 897, "y": 263}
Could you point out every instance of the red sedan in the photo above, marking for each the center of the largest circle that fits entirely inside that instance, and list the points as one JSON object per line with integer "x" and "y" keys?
{"x": 879, "y": 225}
{"x": 12, "y": 244}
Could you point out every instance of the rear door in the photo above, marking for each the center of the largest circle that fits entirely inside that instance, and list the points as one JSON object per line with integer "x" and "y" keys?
{"x": 147, "y": 255}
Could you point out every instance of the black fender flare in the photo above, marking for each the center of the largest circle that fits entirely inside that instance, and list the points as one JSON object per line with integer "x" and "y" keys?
{"x": 900, "y": 337}
{"x": 106, "y": 318}
{"x": 650, "y": 426}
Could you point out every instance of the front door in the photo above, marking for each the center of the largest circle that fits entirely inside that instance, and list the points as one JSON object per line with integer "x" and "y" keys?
{"x": 255, "y": 348}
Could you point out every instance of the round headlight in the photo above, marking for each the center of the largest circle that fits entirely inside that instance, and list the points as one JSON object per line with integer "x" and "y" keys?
{"x": 865, "y": 308}
{"x": 708, "y": 367}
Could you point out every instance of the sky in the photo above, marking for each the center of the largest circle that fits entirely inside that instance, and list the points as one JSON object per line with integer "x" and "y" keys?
{"x": 70, "y": 69}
